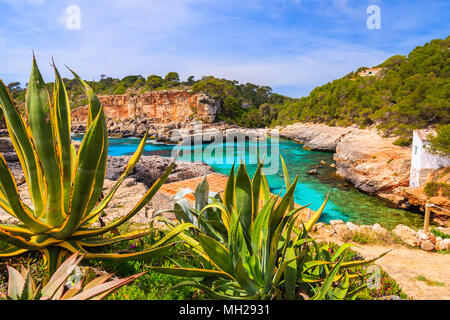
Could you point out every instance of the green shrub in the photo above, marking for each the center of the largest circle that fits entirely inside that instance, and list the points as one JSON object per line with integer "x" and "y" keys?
{"x": 432, "y": 189}
{"x": 446, "y": 190}
{"x": 403, "y": 142}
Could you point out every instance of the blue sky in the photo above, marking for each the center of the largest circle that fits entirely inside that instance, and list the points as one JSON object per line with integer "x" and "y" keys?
{"x": 290, "y": 45}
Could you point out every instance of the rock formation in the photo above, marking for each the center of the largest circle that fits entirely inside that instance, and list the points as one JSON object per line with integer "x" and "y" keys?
{"x": 366, "y": 159}
{"x": 163, "y": 106}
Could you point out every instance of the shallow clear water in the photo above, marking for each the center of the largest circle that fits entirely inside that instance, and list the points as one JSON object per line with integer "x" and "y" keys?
{"x": 345, "y": 202}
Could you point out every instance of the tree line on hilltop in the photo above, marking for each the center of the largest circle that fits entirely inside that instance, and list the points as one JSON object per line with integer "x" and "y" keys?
{"x": 409, "y": 92}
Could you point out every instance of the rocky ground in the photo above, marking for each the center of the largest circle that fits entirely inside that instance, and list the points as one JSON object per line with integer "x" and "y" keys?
{"x": 421, "y": 273}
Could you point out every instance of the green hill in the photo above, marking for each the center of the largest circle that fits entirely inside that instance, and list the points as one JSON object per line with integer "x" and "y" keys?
{"x": 410, "y": 92}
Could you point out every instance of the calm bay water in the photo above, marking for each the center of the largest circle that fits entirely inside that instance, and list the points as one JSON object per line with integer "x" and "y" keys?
{"x": 345, "y": 202}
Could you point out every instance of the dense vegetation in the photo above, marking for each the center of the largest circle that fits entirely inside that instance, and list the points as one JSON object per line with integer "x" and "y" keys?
{"x": 410, "y": 92}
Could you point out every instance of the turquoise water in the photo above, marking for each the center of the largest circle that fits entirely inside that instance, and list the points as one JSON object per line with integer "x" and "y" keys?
{"x": 345, "y": 202}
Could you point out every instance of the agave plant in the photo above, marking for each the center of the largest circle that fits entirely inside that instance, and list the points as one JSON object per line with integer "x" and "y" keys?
{"x": 64, "y": 186}
{"x": 21, "y": 285}
{"x": 260, "y": 253}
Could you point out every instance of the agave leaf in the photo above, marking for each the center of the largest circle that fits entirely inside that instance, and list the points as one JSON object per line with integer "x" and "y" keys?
{"x": 287, "y": 181}
{"x": 256, "y": 189}
{"x": 141, "y": 255}
{"x": 229, "y": 195}
{"x": 17, "y": 241}
{"x": 104, "y": 289}
{"x": 134, "y": 159}
{"x": 15, "y": 230}
{"x": 11, "y": 251}
{"x": 328, "y": 282}
{"x": 124, "y": 237}
{"x": 201, "y": 194}
{"x": 62, "y": 120}
{"x": 225, "y": 214}
{"x": 244, "y": 280}
{"x": 244, "y": 198}
{"x": 259, "y": 234}
{"x": 341, "y": 250}
{"x": 11, "y": 193}
{"x": 312, "y": 221}
{"x": 211, "y": 291}
{"x": 280, "y": 210}
{"x": 87, "y": 164}
{"x": 59, "y": 278}
{"x": 29, "y": 288}
{"x": 173, "y": 233}
{"x": 290, "y": 274}
{"x": 97, "y": 281}
{"x": 190, "y": 272}
{"x": 352, "y": 264}
{"x": 43, "y": 130}
{"x": 217, "y": 253}
{"x": 23, "y": 145}
{"x": 16, "y": 283}
{"x": 353, "y": 294}
{"x": 84, "y": 233}
{"x": 341, "y": 290}
{"x": 95, "y": 109}
{"x": 265, "y": 194}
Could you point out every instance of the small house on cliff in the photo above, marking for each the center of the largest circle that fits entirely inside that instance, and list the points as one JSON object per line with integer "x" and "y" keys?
{"x": 422, "y": 160}
{"x": 370, "y": 72}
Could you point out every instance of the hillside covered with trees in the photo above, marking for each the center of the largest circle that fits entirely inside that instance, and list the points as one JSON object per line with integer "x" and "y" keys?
{"x": 410, "y": 92}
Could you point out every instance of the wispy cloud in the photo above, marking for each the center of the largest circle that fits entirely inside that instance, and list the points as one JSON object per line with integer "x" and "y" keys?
{"x": 288, "y": 44}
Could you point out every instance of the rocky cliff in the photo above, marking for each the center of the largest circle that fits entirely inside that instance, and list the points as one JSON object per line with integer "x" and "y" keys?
{"x": 162, "y": 106}
{"x": 366, "y": 159}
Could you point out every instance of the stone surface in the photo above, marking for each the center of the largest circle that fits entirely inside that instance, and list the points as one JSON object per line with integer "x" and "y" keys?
{"x": 336, "y": 222}
{"x": 427, "y": 245}
{"x": 163, "y": 106}
{"x": 353, "y": 227}
{"x": 150, "y": 168}
{"x": 379, "y": 230}
{"x": 341, "y": 229}
{"x": 407, "y": 235}
{"x": 445, "y": 244}
{"x": 422, "y": 236}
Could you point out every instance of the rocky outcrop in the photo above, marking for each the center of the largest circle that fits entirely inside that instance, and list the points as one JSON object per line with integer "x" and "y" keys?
{"x": 373, "y": 164}
{"x": 315, "y": 136}
{"x": 164, "y": 106}
{"x": 363, "y": 157}
{"x": 151, "y": 168}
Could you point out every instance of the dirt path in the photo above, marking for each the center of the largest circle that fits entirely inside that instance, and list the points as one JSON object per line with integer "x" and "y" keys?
{"x": 404, "y": 265}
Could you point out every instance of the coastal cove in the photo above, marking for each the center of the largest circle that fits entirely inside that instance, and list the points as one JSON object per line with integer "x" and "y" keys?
{"x": 346, "y": 202}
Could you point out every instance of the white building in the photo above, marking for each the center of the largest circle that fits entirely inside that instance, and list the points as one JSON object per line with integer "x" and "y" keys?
{"x": 422, "y": 160}
{"x": 370, "y": 72}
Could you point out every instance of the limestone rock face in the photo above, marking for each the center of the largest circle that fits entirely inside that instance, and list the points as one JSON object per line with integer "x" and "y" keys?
{"x": 372, "y": 163}
{"x": 315, "y": 136}
{"x": 369, "y": 161}
{"x": 162, "y": 106}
